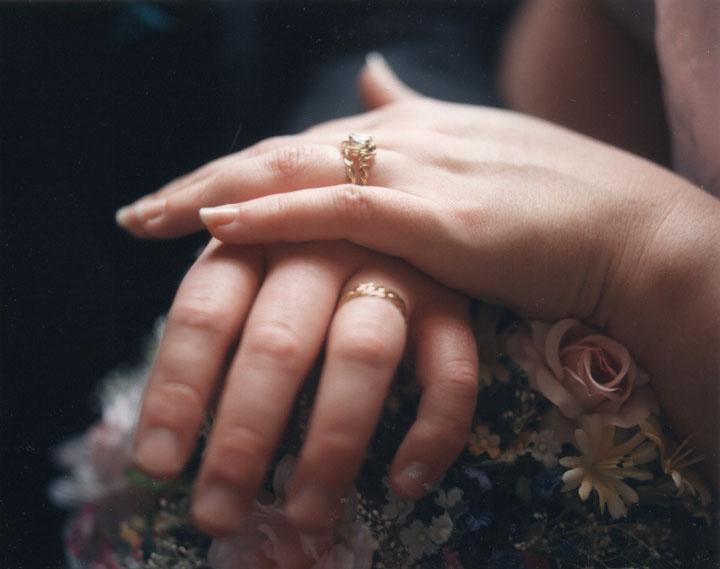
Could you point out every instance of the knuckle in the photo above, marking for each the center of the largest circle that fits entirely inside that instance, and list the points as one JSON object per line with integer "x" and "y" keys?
{"x": 459, "y": 383}
{"x": 353, "y": 203}
{"x": 275, "y": 340}
{"x": 174, "y": 403}
{"x": 275, "y": 210}
{"x": 200, "y": 312}
{"x": 233, "y": 447}
{"x": 343, "y": 446}
{"x": 448, "y": 432}
{"x": 460, "y": 379}
{"x": 365, "y": 345}
{"x": 290, "y": 161}
{"x": 267, "y": 145}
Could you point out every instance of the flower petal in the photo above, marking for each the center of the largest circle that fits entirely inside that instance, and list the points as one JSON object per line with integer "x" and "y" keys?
{"x": 553, "y": 339}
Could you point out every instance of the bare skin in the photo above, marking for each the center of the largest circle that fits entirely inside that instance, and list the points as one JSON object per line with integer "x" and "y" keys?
{"x": 255, "y": 320}
{"x": 495, "y": 204}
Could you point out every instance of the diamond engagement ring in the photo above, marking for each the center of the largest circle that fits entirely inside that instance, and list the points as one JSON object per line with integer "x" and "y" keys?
{"x": 378, "y": 291}
{"x": 358, "y": 150}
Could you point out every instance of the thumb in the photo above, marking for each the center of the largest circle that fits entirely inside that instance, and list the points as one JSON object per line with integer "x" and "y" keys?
{"x": 378, "y": 83}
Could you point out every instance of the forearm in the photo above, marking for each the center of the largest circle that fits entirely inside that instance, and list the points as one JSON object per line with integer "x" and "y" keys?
{"x": 571, "y": 62}
{"x": 666, "y": 308}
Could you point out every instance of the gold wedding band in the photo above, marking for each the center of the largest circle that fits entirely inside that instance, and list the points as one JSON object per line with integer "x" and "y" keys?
{"x": 358, "y": 150}
{"x": 378, "y": 291}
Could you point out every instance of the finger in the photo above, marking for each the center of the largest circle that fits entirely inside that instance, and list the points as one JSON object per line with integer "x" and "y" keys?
{"x": 365, "y": 344}
{"x": 446, "y": 364}
{"x": 282, "y": 337}
{"x": 203, "y": 324}
{"x": 132, "y": 217}
{"x": 384, "y": 220}
{"x": 379, "y": 85}
{"x": 174, "y": 211}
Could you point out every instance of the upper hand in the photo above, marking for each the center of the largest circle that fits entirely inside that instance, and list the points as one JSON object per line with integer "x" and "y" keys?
{"x": 502, "y": 206}
{"x": 499, "y": 205}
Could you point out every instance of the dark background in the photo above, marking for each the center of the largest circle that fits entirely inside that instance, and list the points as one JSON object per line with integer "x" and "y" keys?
{"x": 103, "y": 103}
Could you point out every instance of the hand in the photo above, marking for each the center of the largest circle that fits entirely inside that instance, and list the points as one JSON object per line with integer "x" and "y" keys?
{"x": 504, "y": 207}
{"x": 464, "y": 193}
{"x": 280, "y": 301}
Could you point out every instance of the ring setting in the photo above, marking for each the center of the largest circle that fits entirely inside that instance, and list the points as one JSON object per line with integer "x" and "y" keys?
{"x": 378, "y": 291}
{"x": 358, "y": 150}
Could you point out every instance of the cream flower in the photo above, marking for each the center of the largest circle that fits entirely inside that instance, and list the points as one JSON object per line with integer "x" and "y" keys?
{"x": 441, "y": 528}
{"x": 482, "y": 441}
{"x": 448, "y": 500}
{"x": 544, "y": 448}
{"x": 397, "y": 507}
{"x": 417, "y": 540}
{"x": 675, "y": 460}
{"x": 603, "y": 465}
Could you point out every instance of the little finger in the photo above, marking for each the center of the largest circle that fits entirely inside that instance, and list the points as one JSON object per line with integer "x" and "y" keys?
{"x": 446, "y": 366}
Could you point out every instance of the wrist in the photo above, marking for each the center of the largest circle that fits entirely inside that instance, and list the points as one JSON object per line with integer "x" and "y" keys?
{"x": 663, "y": 303}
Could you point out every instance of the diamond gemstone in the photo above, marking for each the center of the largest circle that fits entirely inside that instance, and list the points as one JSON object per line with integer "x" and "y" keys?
{"x": 360, "y": 140}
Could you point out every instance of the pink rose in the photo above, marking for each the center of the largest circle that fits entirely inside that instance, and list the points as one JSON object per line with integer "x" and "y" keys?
{"x": 269, "y": 541}
{"x": 582, "y": 371}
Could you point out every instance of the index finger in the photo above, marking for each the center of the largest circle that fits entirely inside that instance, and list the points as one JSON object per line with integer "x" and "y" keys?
{"x": 204, "y": 322}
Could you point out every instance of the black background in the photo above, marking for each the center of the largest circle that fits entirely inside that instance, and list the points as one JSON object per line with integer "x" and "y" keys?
{"x": 103, "y": 103}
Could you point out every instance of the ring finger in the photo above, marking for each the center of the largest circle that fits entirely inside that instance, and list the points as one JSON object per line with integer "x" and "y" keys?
{"x": 277, "y": 165}
{"x": 365, "y": 345}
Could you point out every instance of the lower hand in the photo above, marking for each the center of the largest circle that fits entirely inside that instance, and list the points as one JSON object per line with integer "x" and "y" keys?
{"x": 281, "y": 301}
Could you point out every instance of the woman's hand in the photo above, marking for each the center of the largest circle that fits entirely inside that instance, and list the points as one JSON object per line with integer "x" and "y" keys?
{"x": 280, "y": 303}
{"x": 501, "y": 206}
{"x": 490, "y": 202}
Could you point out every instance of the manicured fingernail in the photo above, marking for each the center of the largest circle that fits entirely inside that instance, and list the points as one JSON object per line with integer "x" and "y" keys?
{"x": 150, "y": 209}
{"x": 159, "y": 452}
{"x": 313, "y": 506}
{"x": 413, "y": 479}
{"x": 124, "y": 216}
{"x": 375, "y": 58}
{"x": 219, "y": 215}
{"x": 219, "y": 506}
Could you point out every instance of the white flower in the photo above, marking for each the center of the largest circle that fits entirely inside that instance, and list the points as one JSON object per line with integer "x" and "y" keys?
{"x": 396, "y": 507}
{"x": 447, "y": 500}
{"x": 676, "y": 460}
{"x": 268, "y": 539}
{"x": 417, "y": 540}
{"x": 97, "y": 460}
{"x": 441, "y": 529}
{"x": 602, "y": 465}
{"x": 544, "y": 448}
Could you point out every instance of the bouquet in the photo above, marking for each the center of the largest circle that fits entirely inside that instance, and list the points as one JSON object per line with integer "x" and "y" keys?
{"x": 568, "y": 466}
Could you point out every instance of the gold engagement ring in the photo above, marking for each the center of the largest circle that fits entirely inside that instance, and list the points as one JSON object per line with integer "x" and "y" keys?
{"x": 358, "y": 150}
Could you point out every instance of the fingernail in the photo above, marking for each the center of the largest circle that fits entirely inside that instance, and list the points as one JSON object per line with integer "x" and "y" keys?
{"x": 413, "y": 479}
{"x": 150, "y": 209}
{"x": 219, "y": 506}
{"x": 159, "y": 452}
{"x": 219, "y": 215}
{"x": 124, "y": 216}
{"x": 313, "y": 506}
{"x": 375, "y": 58}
